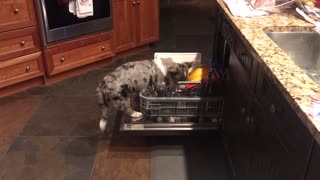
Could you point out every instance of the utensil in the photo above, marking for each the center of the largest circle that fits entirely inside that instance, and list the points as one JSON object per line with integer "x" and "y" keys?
{"x": 307, "y": 18}
{"x": 312, "y": 11}
{"x": 299, "y": 3}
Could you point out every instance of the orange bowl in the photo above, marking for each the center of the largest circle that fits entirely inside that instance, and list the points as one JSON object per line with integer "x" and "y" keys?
{"x": 199, "y": 74}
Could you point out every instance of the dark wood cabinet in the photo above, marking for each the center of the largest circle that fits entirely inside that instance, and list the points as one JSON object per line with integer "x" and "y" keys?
{"x": 293, "y": 136}
{"x": 264, "y": 146}
{"x": 136, "y": 22}
{"x": 252, "y": 144}
{"x": 313, "y": 172}
{"x": 264, "y": 136}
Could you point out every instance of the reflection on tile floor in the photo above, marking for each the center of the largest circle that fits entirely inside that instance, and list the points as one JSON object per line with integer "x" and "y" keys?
{"x": 5, "y": 143}
{"x": 65, "y": 116}
{"x": 50, "y": 158}
{"x": 15, "y": 113}
{"x": 51, "y": 132}
{"x": 132, "y": 154}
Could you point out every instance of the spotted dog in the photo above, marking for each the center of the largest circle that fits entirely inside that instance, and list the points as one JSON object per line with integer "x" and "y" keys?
{"x": 113, "y": 92}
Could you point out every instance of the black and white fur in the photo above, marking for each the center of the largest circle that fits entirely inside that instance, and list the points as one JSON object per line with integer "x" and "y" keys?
{"x": 114, "y": 90}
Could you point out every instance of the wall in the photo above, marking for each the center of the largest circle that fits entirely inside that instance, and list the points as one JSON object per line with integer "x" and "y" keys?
{"x": 185, "y": 26}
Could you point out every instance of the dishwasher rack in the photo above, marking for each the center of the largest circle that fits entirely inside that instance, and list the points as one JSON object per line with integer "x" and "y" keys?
{"x": 201, "y": 108}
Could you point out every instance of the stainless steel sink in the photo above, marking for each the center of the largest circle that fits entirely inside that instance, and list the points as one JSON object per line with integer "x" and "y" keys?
{"x": 303, "y": 48}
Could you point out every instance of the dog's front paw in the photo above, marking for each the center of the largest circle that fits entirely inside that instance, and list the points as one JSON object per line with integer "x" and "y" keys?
{"x": 102, "y": 125}
{"x": 136, "y": 114}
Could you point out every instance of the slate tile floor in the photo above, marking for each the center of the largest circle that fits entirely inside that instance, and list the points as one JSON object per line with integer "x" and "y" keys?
{"x": 51, "y": 132}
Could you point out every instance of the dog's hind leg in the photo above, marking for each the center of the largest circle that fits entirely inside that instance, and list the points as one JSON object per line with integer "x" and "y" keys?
{"x": 103, "y": 124}
{"x": 104, "y": 118}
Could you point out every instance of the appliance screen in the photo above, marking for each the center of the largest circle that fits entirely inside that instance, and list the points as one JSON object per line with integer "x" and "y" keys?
{"x": 59, "y": 16}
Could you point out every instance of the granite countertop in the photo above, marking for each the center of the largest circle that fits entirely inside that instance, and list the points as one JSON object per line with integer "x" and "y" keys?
{"x": 298, "y": 89}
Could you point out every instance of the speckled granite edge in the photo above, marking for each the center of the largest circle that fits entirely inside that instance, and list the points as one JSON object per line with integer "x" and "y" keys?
{"x": 300, "y": 91}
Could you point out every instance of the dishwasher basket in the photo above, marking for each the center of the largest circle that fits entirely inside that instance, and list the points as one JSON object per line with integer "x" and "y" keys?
{"x": 182, "y": 105}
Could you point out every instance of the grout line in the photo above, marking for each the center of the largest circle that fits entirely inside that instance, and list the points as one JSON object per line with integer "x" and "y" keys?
{"x": 95, "y": 161}
{"x": 6, "y": 152}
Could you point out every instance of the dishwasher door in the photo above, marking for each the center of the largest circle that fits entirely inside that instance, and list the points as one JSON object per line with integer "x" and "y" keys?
{"x": 169, "y": 126}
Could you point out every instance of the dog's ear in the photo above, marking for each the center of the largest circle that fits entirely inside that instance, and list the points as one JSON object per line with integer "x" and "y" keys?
{"x": 192, "y": 65}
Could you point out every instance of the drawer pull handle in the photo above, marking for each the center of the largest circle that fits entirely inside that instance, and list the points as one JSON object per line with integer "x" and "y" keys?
{"x": 134, "y": 3}
{"x": 103, "y": 48}
{"x": 22, "y": 43}
{"x": 138, "y": 2}
{"x": 28, "y": 68}
{"x": 62, "y": 60}
{"x": 16, "y": 11}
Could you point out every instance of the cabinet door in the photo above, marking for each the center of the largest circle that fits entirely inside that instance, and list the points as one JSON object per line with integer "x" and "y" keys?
{"x": 267, "y": 152}
{"x": 313, "y": 172}
{"x": 16, "y": 14}
{"x": 148, "y": 21}
{"x": 292, "y": 134}
{"x": 295, "y": 138}
{"x": 124, "y": 29}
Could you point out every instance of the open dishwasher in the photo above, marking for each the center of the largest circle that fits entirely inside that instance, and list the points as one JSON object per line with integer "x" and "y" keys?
{"x": 191, "y": 106}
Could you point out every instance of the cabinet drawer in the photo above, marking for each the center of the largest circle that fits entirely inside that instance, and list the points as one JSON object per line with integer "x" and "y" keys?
{"x": 66, "y": 60}
{"x": 19, "y": 43}
{"x": 16, "y": 14}
{"x": 20, "y": 69}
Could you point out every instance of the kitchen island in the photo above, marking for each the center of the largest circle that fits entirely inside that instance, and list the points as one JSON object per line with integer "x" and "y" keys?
{"x": 271, "y": 130}
{"x": 296, "y": 86}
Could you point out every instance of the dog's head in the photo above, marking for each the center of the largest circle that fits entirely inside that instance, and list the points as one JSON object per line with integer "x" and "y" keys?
{"x": 179, "y": 71}
{"x": 177, "y": 68}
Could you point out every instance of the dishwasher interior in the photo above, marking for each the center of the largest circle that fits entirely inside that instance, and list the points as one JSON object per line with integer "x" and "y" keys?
{"x": 191, "y": 106}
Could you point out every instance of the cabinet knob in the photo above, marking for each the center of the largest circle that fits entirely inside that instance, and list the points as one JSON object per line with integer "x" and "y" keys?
{"x": 248, "y": 120}
{"x": 22, "y": 43}
{"x": 272, "y": 108}
{"x": 28, "y": 68}
{"x": 252, "y": 120}
{"x": 103, "y": 48}
{"x": 62, "y": 59}
{"x": 134, "y": 3}
{"x": 243, "y": 110}
{"x": 16, "y": 11}
{"x": 138, "y": 2}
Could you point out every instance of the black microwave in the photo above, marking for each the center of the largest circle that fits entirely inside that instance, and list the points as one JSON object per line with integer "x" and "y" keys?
{"x": 59, "y": 24}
